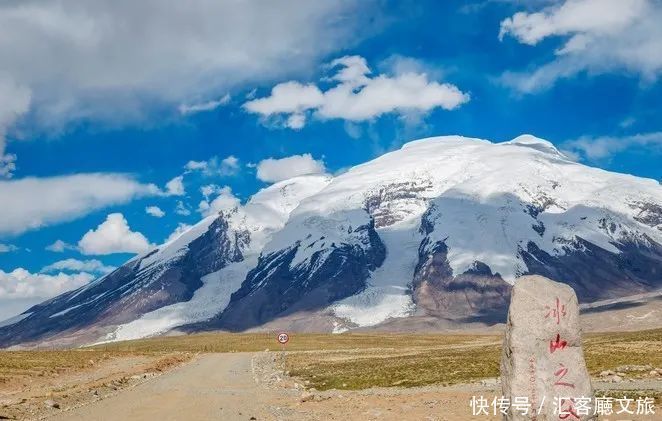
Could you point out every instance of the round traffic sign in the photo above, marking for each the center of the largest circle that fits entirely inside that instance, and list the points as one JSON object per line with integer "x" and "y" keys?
{"x": 283, "y": 338}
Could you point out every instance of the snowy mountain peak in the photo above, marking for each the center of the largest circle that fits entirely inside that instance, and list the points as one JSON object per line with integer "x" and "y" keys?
{"x": 439, "y": 228}
{"x": 265, "y": 211}
{"x": 534, "y": 142}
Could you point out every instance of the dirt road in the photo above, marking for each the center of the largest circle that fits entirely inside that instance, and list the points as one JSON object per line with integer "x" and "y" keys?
{"x": 250, "y": 386}
{"x": 212, "y": 387}
{"x": 226, "y": 387}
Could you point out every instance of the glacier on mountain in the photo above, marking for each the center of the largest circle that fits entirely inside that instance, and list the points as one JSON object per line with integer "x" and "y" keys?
{"x": 439, "y": 228}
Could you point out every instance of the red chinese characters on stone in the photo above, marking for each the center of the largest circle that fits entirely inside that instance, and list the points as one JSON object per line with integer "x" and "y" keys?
{"x": 557, "y": 344}
{"x": 566, "y": 406}
{"x": 556, "y": 312}
{"x": 569, "y": 410}
{"x": 560, "y": 374}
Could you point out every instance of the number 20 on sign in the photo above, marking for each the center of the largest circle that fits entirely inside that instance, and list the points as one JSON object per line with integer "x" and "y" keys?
{"x": 282, "y": 339}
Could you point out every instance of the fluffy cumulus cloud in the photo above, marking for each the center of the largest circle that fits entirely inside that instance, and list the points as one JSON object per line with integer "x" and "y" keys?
{"x": 116, "y": 61}
{"x": 291, "y": 98}
{"x": 356, "y": 95}
{"x": 37, "y": 202}
{"x": 597, "y": 36}
{"x": 175, "y": 187}
{"x": 75, "y": 265}
{"x": 225, "y": 201}
{"x": 113, "y": 236}
{"x": 604, "y": 147}
{"x": 59, "y": 246}
{"x": 215, "y": 166}
{"x": 273, "y": 170}
{"x": 19, "y": 289}
{"x": 155, "y": 211}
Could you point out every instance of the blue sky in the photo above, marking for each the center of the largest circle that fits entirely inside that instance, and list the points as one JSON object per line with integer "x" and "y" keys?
{"x": 101, "y": 105}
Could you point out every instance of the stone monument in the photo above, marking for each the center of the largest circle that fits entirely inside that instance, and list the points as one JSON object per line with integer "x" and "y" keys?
{"x": 542, "y": 366}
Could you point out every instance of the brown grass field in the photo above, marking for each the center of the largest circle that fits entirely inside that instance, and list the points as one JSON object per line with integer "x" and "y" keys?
{"x": 365, "y": 360}
{"x": 322, "y": 361}
{"x": 350, "y": 361}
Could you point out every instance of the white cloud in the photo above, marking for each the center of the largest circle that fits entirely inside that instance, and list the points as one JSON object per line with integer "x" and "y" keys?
{"x": 155, "y": 211}
{"x": 7, "y": 162}
{"x": 603, "y": 147}
{"x": 181, "y": 229}
{"x": 6, "y": 248}
{"x": 209, "y": 189}
{"x": 175, "y": 187}
{"x": 356, "y": 96}
{"x": 75, "y": 265}
{"x": 398, "y": 65}
{"x": 20, "y": 289}
{"x": 60, "y": 246}
{"x": 113, "y": 236}
{"x": 599, "y": 36}
{"x": 353, "y": 70}
{"x": 296, "y": 121}
{"x": 287, "y": 98}
{"x": 214, "y": 166}
{"x": 20, "y": 283}
{"x": 195, "y": 165}
{"x": 225, "y": 201}
{"x": 203, "y": 106}
{"x": 37, "y": 202}
{"x": 272, "y": 170}
{"x": 408, "y": 92}
{"x": 230, "y": 165}
{"x": 15, "y": 102}
{"x": 116, "y": 61}
{"x": 182, "y": 209}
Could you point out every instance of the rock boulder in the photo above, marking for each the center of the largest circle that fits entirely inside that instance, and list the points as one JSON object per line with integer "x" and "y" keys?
{"x": 542, "y": 363}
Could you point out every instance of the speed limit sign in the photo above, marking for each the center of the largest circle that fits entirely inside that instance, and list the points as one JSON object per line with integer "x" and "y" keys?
{"x": 283, "y": 338}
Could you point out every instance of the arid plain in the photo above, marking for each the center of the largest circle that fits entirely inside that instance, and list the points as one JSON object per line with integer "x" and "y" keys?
{"x": 248, "y": 376}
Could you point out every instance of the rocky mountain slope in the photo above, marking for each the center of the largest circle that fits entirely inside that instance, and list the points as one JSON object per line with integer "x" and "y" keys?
{"x": 438, "y": 229}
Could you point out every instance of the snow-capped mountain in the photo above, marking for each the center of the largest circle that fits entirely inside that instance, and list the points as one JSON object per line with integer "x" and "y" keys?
{"x": 440, "y": 228}
{"x": 179, "y": 282}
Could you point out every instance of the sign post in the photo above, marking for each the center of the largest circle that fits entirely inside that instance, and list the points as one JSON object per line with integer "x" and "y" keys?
{"x": 283, "y": 338}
